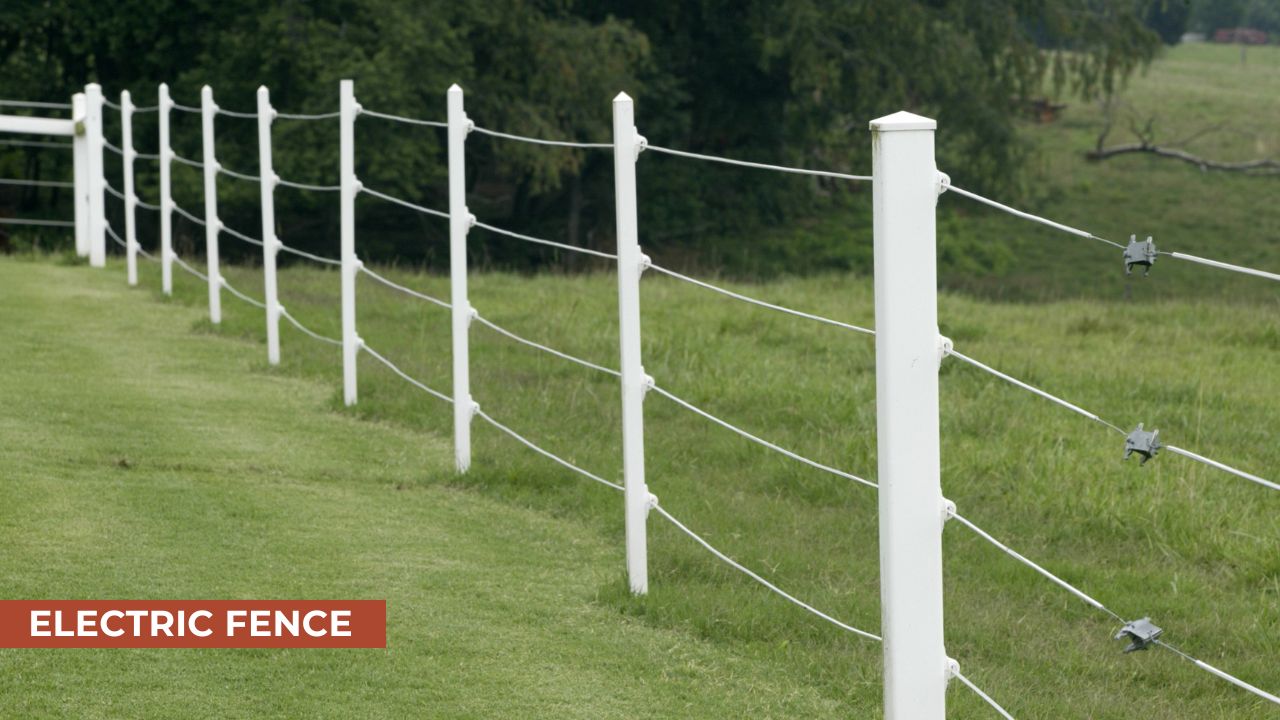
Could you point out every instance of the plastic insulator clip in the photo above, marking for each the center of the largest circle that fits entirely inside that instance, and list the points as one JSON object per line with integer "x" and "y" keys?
{"x": 642, "y": 144}
{"x": 953, "y": 668}
{"x": 475, "y": 408}
{"x": 646, "y": 262}
{"x": 944, "y": 182}
{"x": 359, "y": 342}
{"x": 1141, "y": 634}
{"x": 471, "y": 125}
{"x": 359, "y": 186}
{"x": 649, "y": 384}
{"x": 358, "y": 108}
{"x": 471, "y": 221}
{"x": 1143, "y": 442}
{"x": 652, "y": 502}
{"x": 472, "y": 315}
{"x": 948, "y": 509}
{"x": 1139, "y": 253}
{"x": 945, "y": 346}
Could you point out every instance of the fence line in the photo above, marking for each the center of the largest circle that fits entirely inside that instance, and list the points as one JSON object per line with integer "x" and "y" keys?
{"x": 1085, "y": 234}
{"x": 901, "y": 209}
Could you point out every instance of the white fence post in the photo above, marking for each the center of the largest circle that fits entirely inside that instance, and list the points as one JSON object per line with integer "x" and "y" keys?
{"x": 130, "y": 200}
{"x": 80, "y": 159}
{"x": 459, "y": 224}
{"x": 908, "y": 346}
{"x": 211, "y": 223}
{"x": 163, "y": 105}
{"x": 631, "y": 263}
{"x": 96, "y": 178}
{"x": 347, "y": 109}
{"x": 270, "y": 243}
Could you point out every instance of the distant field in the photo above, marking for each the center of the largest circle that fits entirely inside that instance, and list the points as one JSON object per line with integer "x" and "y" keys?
{"x": 1192, "y": 89}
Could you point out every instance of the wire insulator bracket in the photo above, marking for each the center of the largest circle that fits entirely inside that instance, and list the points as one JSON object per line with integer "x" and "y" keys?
{"x": 1139, "y": 253}
{"x": 1143, "y": 442}
{"x": 1141, "y": 634}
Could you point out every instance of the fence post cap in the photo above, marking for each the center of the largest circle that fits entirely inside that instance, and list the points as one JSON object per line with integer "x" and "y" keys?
{"x": 903, "y": 120}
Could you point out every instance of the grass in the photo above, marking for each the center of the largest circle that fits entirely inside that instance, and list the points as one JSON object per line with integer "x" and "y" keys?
{"x": 1193, "y": 352}
{"x": 1191, "y": 547}
{"x": 1228, "y": 216}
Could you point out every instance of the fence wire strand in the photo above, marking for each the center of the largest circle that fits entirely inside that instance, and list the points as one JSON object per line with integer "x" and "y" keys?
{"x": 403, "y": 119}
{"x": 408, "y": 291}
{"x": 307, "y": 116}
{"x": 987, "y": 698}
{"x": 746, "y": 571}
{"x": 238, "y": 175}
{"x": 36, "y": 104}
{"x": 306, "y": 330}
{"x": 758, "y": 440}
{"x": 563, "y": 355}
{"x": 545, "y": 453}
{"x": 307, "y": 186}
{"x": 403, "y": 375}
{"x": 541, "y": 241}
{"x": 37, "y": 221}
{"x": 179, "y": 209}
{"x": 310, "y": 256}
{"x": 403, "y": 203}
{"x": 760, "y": 166}
{"x": 37, "y": 183}
{"x": 761, "y": 303}
{"x": 539, "y": 141}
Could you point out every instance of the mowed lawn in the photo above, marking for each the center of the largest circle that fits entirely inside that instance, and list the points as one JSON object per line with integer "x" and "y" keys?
{"x": 143, "y": 460}
{"x": 1192, "y": 547}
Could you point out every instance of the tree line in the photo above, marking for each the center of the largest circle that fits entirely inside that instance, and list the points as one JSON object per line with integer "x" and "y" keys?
{"x": 778, "y": 81}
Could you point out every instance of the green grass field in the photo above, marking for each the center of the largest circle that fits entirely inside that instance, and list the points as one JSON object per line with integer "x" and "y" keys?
{"x": 506, "y": 587}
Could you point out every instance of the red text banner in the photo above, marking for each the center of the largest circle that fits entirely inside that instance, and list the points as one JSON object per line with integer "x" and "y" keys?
{"x": 193, "y": 623}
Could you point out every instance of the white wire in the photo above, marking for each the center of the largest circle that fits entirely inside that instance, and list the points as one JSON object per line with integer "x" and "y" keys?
{"x": 36, "y": 104}
{"x": 539, "y": 141}
{"x": 226, "y": 285}
{"x": 36, "y": 183}
{"x": 545, "y": 453}
{"x": 404, "y": 375}
{"x": 739, "y": 567}
{"x": 36, "y": 143}
{"x": 1029, "y": 216}
{"x": 239, "y": 175}
{"x": 401, "y": 118}
{"x": 308, "y": 186}
{"x": 114, "y": 191}
{"x": 761, "y": 303}
{"x": 234, "y": 114}
{"x": 403, "y": 203}
{"x": 239, "y": 235}
{"x": 403, "y": 289}
{"x": 146, "y": 205}
{"x": 503, "y": 331}
{"x": 146, "y": 109}
{"x": 1224, "y": 266}
{"x": 137, "y": 246}
{"x": 1051, "y": 398}
{"x": 185, "y": 161}
{"x": 32, "y": 221}
{"x": 183, "y": 264}
{"x": 147, "y": 156}
{"x": 761, "y": 166}
{"x": 1225, "y": 468}
{"x": 186, "y": 108}
{"x": 309, "y": 256}
{"x": 187, "y": 215}
{"x": 305, "y": 116}
{"x": 1220, "y": 674}
{"x": 729, "y": 426}
{"x": 1031, "y": 564}
{"x": 1074, "y": 408}
{"x": 108, "y": 103}
{"x": 107, "y": 144}
{"x": 306, "y": 330}
{"x": 551, "y": 243}
{"x": 978, "y": 691}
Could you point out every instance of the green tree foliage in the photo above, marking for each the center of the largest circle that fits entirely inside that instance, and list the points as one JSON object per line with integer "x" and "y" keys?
{"x": 790, "y": 81}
